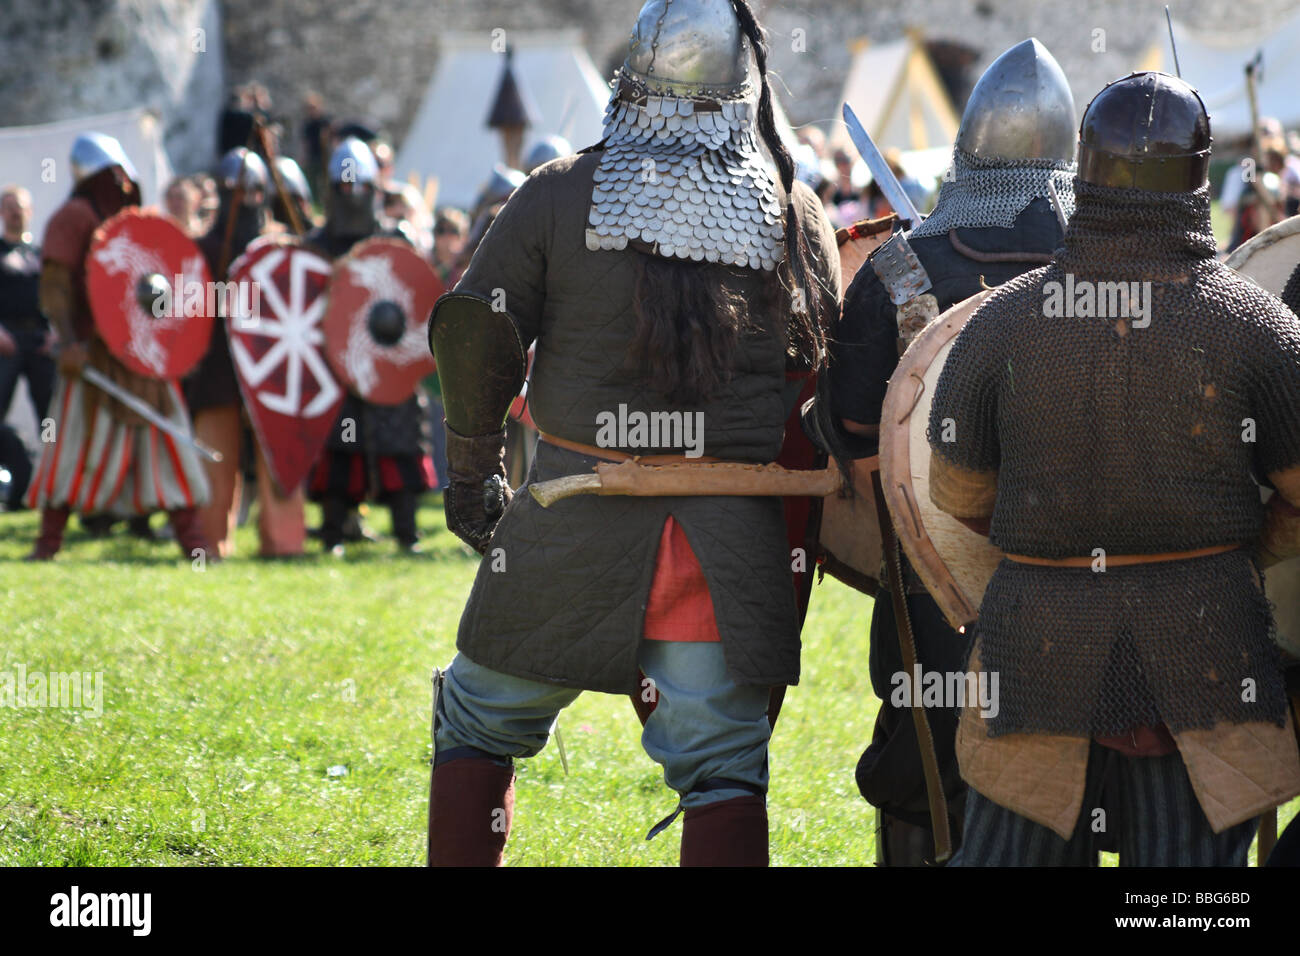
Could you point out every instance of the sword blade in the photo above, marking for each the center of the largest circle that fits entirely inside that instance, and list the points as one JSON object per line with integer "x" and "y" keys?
{"x": 892, "y": 189}
{"x": 147, "y": 412}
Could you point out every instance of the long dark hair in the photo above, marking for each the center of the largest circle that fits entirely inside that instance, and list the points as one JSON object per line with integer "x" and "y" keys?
{"x": 689, "y": 319}
{"x": 689, "y": 323}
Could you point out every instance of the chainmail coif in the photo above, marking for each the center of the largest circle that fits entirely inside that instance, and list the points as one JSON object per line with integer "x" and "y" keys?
{"x": 1129, "y": 428}
{"x": 980, "y": 193}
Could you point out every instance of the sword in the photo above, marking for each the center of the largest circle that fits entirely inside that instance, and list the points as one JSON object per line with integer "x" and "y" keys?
{"x": 147, "y": 412}
{"x": 890, "y": 187}
{"x": 678, "y": 481}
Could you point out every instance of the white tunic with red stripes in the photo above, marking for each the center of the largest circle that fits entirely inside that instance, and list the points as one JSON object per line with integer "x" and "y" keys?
{"x": 101, "y": 465}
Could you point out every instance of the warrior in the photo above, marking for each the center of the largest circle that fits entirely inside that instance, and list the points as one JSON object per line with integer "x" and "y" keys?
{"x": 545, "y": 150}
{"x": 993, "y": 221}
{"x": 297, "y": 190}
{"x": 374, "y": 451}
{"x": 212, "y": 390}
{"x": 673, "y": 270}
{"x": 105, "y": 456}
{"x": 1106, "y": 419}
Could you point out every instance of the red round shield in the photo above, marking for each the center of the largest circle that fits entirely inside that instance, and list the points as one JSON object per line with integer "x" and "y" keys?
{"x": 150, "y": 293}
{"x": 379, "y": 300}
{"x": 276, "y": 345}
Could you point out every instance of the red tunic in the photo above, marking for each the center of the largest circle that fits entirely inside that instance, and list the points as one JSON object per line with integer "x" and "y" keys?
{"x": 679, "y": 607}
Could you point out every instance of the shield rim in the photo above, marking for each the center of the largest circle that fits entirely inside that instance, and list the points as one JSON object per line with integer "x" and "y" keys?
{"x": 901, "y": 398}
{"x": 1261, "y": 241}
{"x": 97, "y": 238}
{"x": 1282, "y": 576}
{"x": 413, "y": 322}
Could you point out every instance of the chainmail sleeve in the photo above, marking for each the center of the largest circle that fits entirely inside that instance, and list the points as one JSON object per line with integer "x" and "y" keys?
{"x": 963, "y": 426}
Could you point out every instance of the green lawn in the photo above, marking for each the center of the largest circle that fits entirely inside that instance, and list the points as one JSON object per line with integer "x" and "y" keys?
{"x": 278, "y": 713}
{"x": 231, "y": 693}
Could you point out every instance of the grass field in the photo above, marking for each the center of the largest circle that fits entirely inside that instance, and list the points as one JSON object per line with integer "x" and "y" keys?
{"x": 278, "y": 713}
{"x": 266, "y": 713}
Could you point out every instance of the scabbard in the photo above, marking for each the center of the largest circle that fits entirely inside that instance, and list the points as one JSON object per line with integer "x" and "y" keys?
{"x": 907, "y": 642}
{"x": 683, "y": 480}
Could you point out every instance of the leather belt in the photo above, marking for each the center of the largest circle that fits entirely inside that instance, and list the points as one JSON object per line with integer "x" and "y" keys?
{"x": 1121, "y": 560}
{"x": 613, "y": 454}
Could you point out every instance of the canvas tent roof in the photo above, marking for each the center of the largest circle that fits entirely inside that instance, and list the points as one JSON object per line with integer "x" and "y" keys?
{"x": 450, "y": 139}
{"x": 896, "y": 92}
{"x": 1214, "y": 63}
{"x": 37, "y": 157}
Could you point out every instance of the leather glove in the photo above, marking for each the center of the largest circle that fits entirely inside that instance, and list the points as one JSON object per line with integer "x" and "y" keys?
{"x": 477, "y": 492}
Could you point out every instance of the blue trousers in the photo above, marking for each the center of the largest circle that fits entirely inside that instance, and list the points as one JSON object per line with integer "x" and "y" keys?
{"x": 704, "y": 727}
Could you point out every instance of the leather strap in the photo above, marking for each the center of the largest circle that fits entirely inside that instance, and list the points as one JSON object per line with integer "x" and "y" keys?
{"x": 1122, "y": 560}
{"x": 613, "y": 454}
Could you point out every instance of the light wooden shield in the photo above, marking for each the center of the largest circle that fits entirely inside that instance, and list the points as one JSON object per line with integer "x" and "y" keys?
{"x": 953, "y": 562}
{"x": 850, "y": 532}
{"x": 1269, "y": 259}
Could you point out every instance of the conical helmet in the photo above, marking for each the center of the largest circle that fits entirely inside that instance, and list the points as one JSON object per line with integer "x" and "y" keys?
{"x": 353, "y": 162}
{"x": 242, "y": 166}
{"x": 291, "y": 175}
{"x": 545, "y": 150}
{"x": 1015, "y": 145}
{"x": 1021, "y": 108}
{"x": 93, "y": 152}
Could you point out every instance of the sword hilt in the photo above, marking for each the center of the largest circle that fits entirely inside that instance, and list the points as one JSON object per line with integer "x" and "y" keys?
{"x": 548, "y": 493}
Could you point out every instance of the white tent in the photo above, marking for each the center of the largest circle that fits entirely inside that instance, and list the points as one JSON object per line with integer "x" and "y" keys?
{"x": 450, "y": 139}
{"x": 897, "y": 94}
{"x": 37, "y": 157}
{"x": 1214, "y": 63}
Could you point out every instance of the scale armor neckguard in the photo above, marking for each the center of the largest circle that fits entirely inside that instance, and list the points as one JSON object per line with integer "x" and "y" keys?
{"x": 682, "y": 174}
{"x": 1114, "y": 434}
{"x": 1017, "y": 134}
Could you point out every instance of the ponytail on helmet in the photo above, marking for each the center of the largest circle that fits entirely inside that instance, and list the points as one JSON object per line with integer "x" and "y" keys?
{"x": 807, "y": 345}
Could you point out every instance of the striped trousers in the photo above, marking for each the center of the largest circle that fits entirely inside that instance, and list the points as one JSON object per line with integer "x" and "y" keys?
{"x": 1147, "y": 801}
{"x": 97, "y": 464}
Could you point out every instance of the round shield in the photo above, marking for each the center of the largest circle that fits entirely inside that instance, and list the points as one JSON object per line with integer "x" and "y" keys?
{"x": 377, "y": 307}
{"x": 150, "y": 293}
{"x": 953, "y": 562}
{"x": 276, "y": 345}
{"x": 1269, "y": 259}
{"x": 1271, "y": 256}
